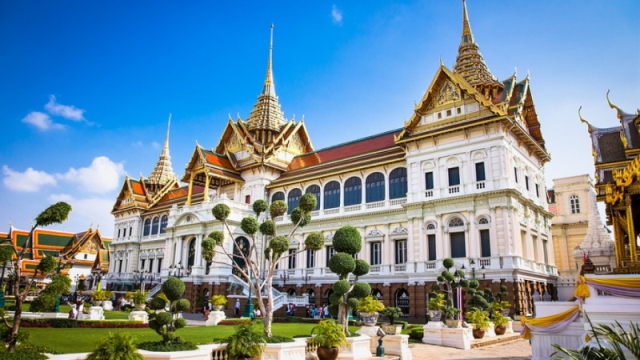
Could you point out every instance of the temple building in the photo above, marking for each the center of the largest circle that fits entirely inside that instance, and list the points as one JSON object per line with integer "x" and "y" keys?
{"x": 617, "y": 171}
{"x": 463, "y": 178}
{"x": 83, "y": 256}
{"x": 578, "y": 231}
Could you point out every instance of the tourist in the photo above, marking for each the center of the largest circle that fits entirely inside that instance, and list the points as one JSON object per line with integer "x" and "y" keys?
{"x": 237, "y": 308}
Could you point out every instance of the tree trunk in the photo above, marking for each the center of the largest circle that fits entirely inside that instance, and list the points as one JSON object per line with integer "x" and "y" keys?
{"x": 13, "y": 339}
{"x": 343, "y": 317}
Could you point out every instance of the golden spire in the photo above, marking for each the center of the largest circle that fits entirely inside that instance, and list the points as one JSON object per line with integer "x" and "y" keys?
{"x": 470, "y": 64}
{"x": 266, "y": 116}
{"x": 163, "y": 171}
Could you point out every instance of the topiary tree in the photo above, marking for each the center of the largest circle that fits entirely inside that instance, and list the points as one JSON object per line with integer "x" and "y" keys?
{"x": 277, "y": 247}
{"x": 477, "y": 300}
{"x": 347, "y": 242}
{"x": 54, "y": 214}
{"x": 448, "y": 281}
{"x": 165, "y": 323}
{"x": 46, "y": 301}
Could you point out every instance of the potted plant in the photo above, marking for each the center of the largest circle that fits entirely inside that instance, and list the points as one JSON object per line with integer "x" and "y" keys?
{"x": 451, "y": 316}
{"x": 247, "y": 343}
{"x": 480, "y": 321}
{"x": 329, "y": 336}
{"x": 218, "y": 302}
{"x": 120, "y": 345}
{"x": 99, "y": 296}
{"x": 369, "y": 307}
{"x": 500, "y": 323}
{"x": 517, "y": 314}
{"x": 437, "y": 302}
{"x": 139, "y": 299}
{"x": 392, "y": 313}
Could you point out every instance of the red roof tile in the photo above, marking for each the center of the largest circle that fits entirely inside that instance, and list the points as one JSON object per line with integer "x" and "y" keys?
{"x": 343, "y": 151}
{"x": 219, "y": 160}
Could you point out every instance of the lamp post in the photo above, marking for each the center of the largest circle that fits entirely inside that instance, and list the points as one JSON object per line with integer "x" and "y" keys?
{"x": 472, "y": 263}
{"x": 138, "y": 278}
{"x": 456, "y": 280}
{"x": 483, "y": 272}
{"x": 284, "y": 277}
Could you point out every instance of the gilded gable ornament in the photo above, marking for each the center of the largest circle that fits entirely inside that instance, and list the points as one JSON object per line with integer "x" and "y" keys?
{"x": 234, "y": 145}
{"x": 448, "y": 93}
{"x": 295, "y": 144}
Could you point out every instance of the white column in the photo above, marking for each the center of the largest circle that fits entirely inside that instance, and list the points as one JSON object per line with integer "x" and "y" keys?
{"x": 442, "y": 244}
{"x": 473, "y": 238}
{"x": 493, "y": 233}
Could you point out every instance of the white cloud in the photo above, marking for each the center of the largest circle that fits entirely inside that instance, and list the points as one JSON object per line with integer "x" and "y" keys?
{"x": 101, "y": 176}
{"x": 41, "y": 120}
{"x": 69, "y": 112}
{"x": 155, "y": 145}
{"x": 28, "y": 181}
{"x": 88, "y": 211}
{"x": 336, "y": 15}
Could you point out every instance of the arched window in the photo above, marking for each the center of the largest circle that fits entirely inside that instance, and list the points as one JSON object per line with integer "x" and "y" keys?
{"x": 398, "y": 183}
{"x": 575, "y": 204}
{"x": 483, "y": 221}
{"x": 292, "y": 200}
{"x": 402, "y": 301}
{"x": 375, "y": 187}
{"x": 277, "y": 196}
{"x": 353, "y": 191}
{"x": 155, "y": 224}
{"x": 457, "y": 238}
{"x": 164, "y": 220}
{"x": 315, "y": 190}
{"x": 241, "y": 245}
{"x": 147, "y": 227}
{"x": 192, "y": 253}
{"x": 332, "y": 195}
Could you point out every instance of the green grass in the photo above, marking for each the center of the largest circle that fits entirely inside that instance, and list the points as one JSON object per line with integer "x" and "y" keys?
{"x": 108, "y": 315}
{"x": 66, "y": 341}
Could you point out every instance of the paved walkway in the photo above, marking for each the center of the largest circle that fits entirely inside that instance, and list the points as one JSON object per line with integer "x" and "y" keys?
{"x": 515, "y": 349}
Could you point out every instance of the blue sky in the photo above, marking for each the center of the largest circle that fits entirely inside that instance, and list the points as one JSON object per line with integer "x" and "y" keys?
{"x": 87, "y": 86}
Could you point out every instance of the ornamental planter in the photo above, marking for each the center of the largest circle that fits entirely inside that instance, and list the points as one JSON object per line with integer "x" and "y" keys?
{"x": 392, "y": 329}
{"x": 369, "y": 319}
{"x": 453, "y": 323}
{"x": 435, "y": 315}
{"x": 140, "y": 307}
{"x": 327, "y": 353}
{"x": 478, "y": 333}
{"x": 500, "y": 330}
{"x": 217, "y": 307}
{"x": 505, "y": 312}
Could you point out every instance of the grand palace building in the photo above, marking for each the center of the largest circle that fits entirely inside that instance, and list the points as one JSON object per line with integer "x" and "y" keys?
{"x": 463, "y": 178}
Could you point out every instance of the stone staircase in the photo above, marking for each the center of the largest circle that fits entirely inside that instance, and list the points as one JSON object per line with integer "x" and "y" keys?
{"x": 279, "y": 299}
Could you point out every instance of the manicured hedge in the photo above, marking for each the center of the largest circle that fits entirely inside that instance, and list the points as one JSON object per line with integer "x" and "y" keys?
{"x": 235, "y": 321}
{"x": 416, "y": 333}
{"x": 71, "y": 323}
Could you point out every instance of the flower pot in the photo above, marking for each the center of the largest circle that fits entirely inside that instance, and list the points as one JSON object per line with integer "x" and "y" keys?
{"x": 453, "y": 323}
{"x": 435, "y": 315}
{"x": 327, "y": 353}
{"x": 505, "y": 312}
{"x": 478, "y": 333}
{"x": 96, "y": 302}
{"x": 217, "y": 307}
{"x": 141, "y": 307}
{"x": 392, "y": 329}
{"x": 369, "y": 319}
{"x": 500, "y": 330}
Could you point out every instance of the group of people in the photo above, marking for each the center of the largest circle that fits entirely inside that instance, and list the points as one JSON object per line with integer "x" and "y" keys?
{"x": 317, "y": 312}
{"x": 76, "y": 308}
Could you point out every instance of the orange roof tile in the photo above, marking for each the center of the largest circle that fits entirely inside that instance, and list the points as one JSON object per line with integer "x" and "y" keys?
{"x": 219, "y": 160}
{"x": 137, "y": 187}
{"x": 343, "y": 151}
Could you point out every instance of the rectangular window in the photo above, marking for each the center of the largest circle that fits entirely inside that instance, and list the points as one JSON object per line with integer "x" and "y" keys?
{"x": 247, "y": 199}
{"x": 142, "y": 264}
{"x": 159, "y": 266}
{"x": 130, "y": 230}
{"x": 459, "y": 111}
{"x": 120, "y": 267}
{"x": 448, "y": 112}
{"x": 454, "y": 176}
{"x": 458, "y": 248}
{"x": 545, "y": 251}
{"x": 311, "y": 259}
{"x": 150, "y": 265}
{"x": 526, "y": 182}
{"x": 376, "y": 253}
{"x": 480, "y": 172}
{"x": 485, "y": 243}
{"x": 515, "y": 172}
{"x": 119, "y": 232}
{"x": 401, "y": 251}
{"x": 292, "y": 259}
{"x": 523, "y": 241}
{"x": 534, "y": 241}
{"x": 537, "y": 190}
{"x": 330, "y": 253}
{"x": 431, "y": 239}
{"x": 428, "y": 180}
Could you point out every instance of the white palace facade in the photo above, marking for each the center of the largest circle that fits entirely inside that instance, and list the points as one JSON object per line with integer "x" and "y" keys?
{"x": 463, "y": 178}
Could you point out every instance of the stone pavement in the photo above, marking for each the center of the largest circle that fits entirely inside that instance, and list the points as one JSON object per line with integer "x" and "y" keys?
{"x": 516, "y": 349}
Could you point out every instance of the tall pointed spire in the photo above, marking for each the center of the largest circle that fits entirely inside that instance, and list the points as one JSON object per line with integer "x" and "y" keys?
{"x": 266, "y": 116}
{"x": 269, "y": 87}
{"x": 470, "y": 63}
{"x": 163, "y": 171}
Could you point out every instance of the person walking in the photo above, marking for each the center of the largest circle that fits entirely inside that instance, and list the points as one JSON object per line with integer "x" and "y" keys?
{"x": 236, "y": 309}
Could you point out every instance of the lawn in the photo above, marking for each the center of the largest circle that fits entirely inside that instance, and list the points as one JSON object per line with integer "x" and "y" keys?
{"x": 65, "y": 341}
{"x": 108, "y": 315}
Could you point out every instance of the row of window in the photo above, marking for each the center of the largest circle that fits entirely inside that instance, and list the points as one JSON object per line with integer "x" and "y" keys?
{"x": 526, "y": 181}
{"x": 143, "y": 267}
{"x": 156, "y": 226}
{"x": 374, "y": 190}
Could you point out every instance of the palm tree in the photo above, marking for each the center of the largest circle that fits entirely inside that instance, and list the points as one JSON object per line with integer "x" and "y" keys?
{"x": 612, "y": 343}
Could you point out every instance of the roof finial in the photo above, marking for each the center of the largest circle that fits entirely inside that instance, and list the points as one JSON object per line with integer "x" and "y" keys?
{"x": 467, "y": 35}
{"x": 166, "y": 139}
{"x": 269, "y": 87}
{"x": 583, "y": 120}
{"x": 611, "y": 105}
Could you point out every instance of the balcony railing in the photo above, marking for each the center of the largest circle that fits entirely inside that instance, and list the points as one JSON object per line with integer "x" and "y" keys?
{"x": 374, "y": 269}
{"x": 352, "y": 208}
{"x": 480, "y": 185}
{"x": 428, "y": 193}
{"x": 400, "y": 267}
{"x": 375, "y": 205}
{"x": 398, "y": 201}
{"x": 454, "y": 189}
{"x": 430, "y": 265}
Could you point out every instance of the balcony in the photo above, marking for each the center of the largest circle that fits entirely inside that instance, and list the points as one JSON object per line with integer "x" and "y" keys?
{"x": 374, "y": 269}
{"x": 454, "y": 189}
{"x": 400, "y": 268}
